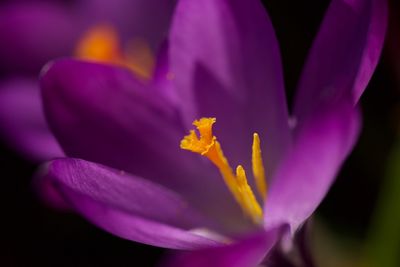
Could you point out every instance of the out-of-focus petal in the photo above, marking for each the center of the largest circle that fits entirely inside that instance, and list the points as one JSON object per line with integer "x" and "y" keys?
{"x": 225, "y": 63}
{"x": 344, "y": 54}
{"x": 34, "y": 32}
{"x": 145, "y": 19}
{"x": 322, "y": 144}
{"x": 125, "y": 205}
{"x": 163, "y": 78}
{"x": 48, "y": 194}
{"x": 22, "y": 122}
{"x": 246, "y": 253}
{"x": 103, "y": 114}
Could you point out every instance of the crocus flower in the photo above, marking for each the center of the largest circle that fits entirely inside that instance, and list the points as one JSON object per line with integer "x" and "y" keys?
{"x": 35, "y": 32}
{"x": 127, "y": 173}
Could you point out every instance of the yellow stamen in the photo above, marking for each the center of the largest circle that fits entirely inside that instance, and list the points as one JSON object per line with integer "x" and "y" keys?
{"x": 248, "y": 197}
{"x": 258, "y": 167}
{"x": 208, "y": 146}
{"x": 101, "y": 43}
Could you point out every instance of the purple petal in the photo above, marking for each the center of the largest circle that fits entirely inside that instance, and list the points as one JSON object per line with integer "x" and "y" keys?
{"x": 321, "y": 145}
{"x": 33, "y": 33}
{"x": 48, "y": 194}
{"x": 225, "y": 59}
{"x": 22, "y": 122}
{"x": 344, "y": 54}
{"x": 162, "y": 78}
{"x": 247, "y": 253}
{"x": 125, "y": 205}
{"x": 103, "y": 114}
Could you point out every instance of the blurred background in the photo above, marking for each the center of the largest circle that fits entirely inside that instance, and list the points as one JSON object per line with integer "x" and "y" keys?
{"x": 358, "y": 223}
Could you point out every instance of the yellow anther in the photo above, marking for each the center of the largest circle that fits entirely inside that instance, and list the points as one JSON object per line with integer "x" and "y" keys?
{"x": 208, "y": 146}
{"x": 101, "y": 43}
{"x": 248, "y": 198}
{"x": 258, "y": 167}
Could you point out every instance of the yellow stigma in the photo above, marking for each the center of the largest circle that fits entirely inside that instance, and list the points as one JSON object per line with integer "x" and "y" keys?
{"x": 208, "y": 146}
{"x": 101, "y": 43}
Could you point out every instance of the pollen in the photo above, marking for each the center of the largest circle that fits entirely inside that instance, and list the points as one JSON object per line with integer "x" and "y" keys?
{"x": 207, "y": 145}
{"x": 101, "y": 43}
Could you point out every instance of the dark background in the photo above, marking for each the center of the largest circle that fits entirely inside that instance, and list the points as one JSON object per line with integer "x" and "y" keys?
{"x": 35, "y": 235}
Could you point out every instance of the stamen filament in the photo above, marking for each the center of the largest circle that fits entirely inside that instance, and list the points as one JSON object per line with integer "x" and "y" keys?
{"x": 216, "y": 156}
{"x": 258, "y": 167}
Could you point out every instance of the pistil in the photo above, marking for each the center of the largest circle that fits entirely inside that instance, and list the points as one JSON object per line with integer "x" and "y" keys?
{"x": 208, "y": 146}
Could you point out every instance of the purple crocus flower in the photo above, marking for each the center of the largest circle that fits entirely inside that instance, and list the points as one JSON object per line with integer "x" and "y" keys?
{"x": 35, "y": 32}
{"x": 127, "y": 174}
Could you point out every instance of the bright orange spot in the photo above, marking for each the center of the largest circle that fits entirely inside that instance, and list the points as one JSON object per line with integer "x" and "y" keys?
{"x": 101, "y": 43}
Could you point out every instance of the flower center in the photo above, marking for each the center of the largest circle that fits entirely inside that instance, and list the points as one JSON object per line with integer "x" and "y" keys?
{"x": 101, "y": 43}
{"x": 208, "y": 146}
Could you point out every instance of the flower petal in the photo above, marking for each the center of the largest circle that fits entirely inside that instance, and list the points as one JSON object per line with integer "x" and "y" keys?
{"x": 127, "y": 206}
{"x": 163, "y": 78}
{"x": 322, "y": 144}
{"x": 344, "y": 54}
{"x": 103, "y": 114}
{"x": 225, "y": 60}
{"x": 33, "y": 33}
{"x": 22, "y": 122}
{"x": 246, "y": 253}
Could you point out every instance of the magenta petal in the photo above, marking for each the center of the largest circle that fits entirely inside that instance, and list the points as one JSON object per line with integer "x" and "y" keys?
{"x": 344, "y": 54}
{"x": 34, "y": 32}
{"x": 162, "y": 77}
{"x": 225, "y": 60}
{"x": 125, "y": 205}
{"x": 321, "y": 145}
{"x": 246, "y": 253}
{"x": 22, "y": 122}
{"x": 102, "y": 114}
{"x": 48, "y": 194}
